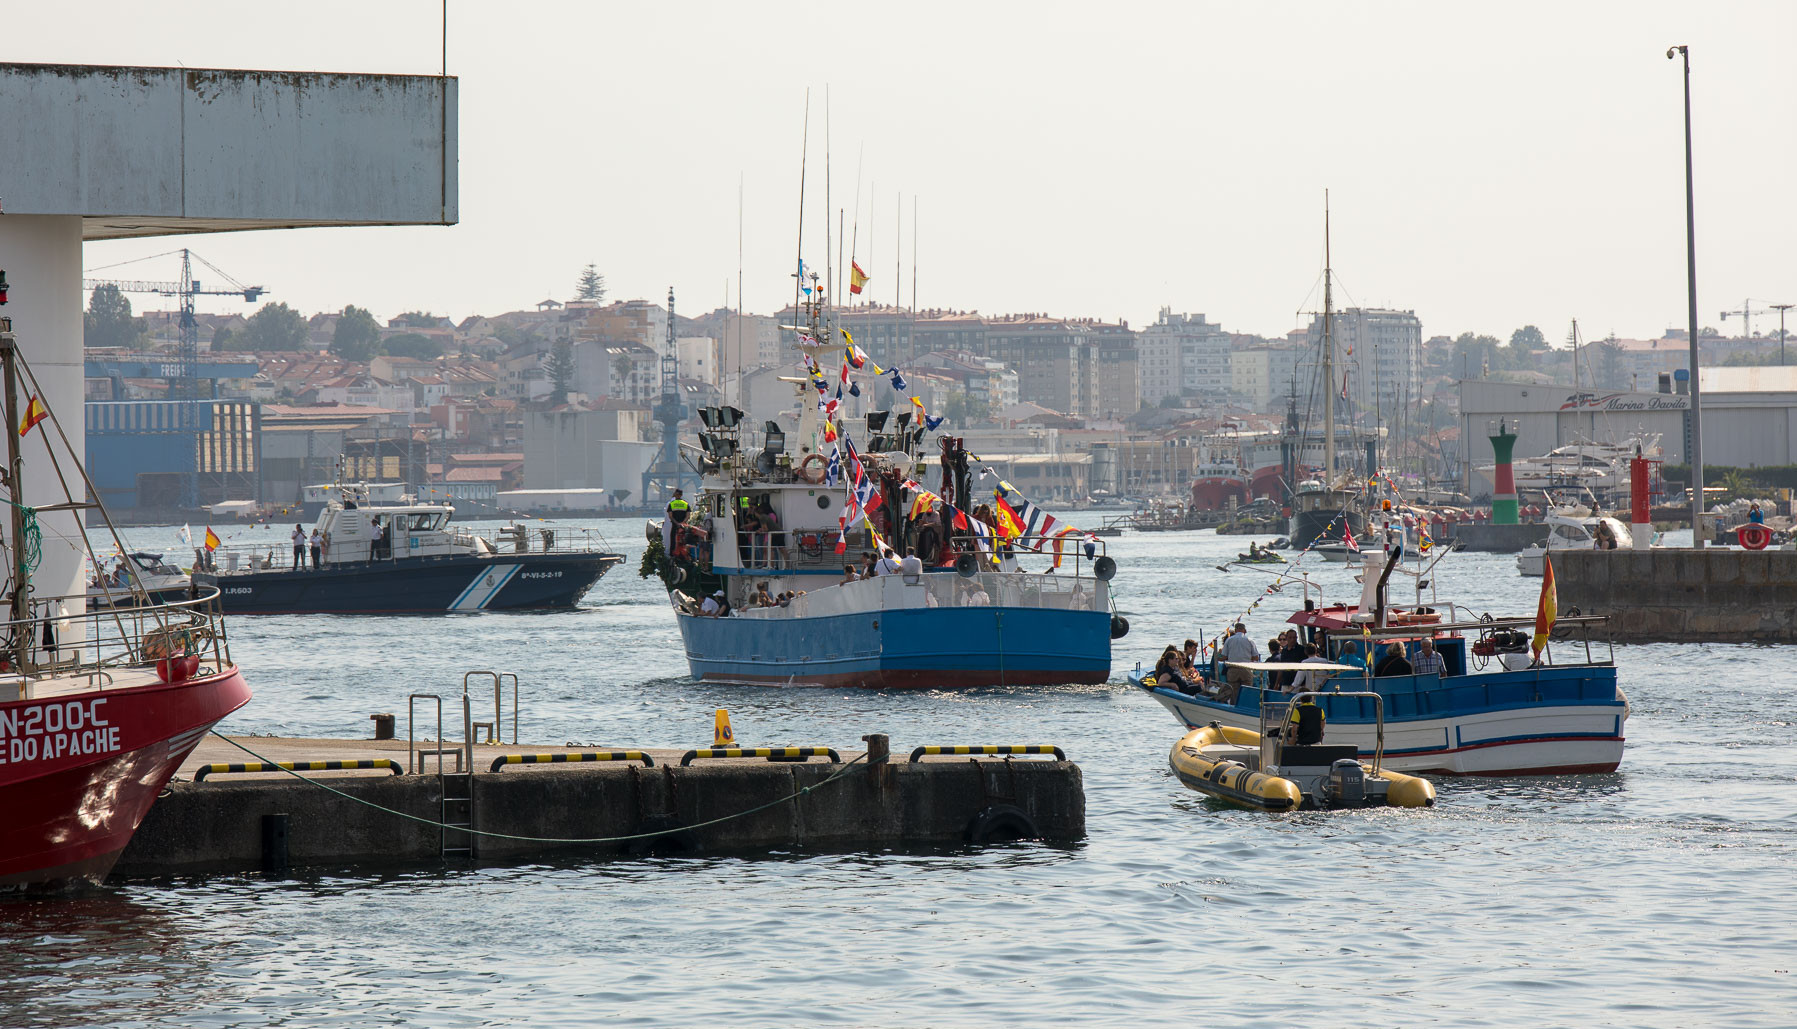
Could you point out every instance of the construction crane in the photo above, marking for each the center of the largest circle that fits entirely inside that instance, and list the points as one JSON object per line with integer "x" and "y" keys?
{"x": 185, "y": 385}
{"x": 1746, "y": 312}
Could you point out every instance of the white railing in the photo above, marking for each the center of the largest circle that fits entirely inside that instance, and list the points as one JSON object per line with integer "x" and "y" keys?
{"x": 112, "y": 638}
{"x": 941, "y": 590}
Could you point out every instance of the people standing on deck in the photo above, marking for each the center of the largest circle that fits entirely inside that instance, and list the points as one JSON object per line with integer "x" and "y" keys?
{"x": 849, "y": 575}
{"x": 676, "y": 516}
{"x": 1427, "y": 661}
{"x": 299, "y": 548}
{"x": 1351, "y": 656}
{"x": 317, "y": 549}
{"x": 1307, "y": 722}
{"x": 1394, "y": 662}
{"x": 911, "y": 564}
{"x": 1238, "y": 648}
{"x": 1290, "y": 652}
{"x": 888, "y": 563}
{"x": 1755, "y": 516}
{"x": 1308, "y": 679}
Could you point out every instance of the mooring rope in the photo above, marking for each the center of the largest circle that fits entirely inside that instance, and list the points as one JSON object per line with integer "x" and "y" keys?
{"x": 540, "y": 839}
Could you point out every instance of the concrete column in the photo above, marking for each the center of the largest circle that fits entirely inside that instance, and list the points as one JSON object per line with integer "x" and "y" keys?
{"x": 42, "y": 258}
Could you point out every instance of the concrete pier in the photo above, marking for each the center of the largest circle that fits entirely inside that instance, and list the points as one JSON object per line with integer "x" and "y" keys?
{"x": 219, "y": 825}
{"x": 1678, "y": 595}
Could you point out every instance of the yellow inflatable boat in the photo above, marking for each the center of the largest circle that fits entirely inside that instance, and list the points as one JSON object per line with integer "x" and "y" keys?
{"x": 1238, "y": 766}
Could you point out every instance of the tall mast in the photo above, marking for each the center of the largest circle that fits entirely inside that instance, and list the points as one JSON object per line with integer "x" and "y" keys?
{"x": 1575, "y": 355}
{"x": 15, "y": 475}
{"x": 1328, "y": 356}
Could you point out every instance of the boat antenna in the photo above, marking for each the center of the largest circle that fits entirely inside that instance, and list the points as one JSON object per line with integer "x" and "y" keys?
{"x": 798, "y": 269}
{"x": 1328, "y": 357}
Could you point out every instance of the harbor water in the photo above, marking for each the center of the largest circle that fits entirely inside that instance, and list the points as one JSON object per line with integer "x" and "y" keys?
{"x": 1656, "y": 896}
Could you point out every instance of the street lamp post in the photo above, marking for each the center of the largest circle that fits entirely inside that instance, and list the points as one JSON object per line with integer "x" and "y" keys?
{"x": 1781, "y": 309}
{"x": 1696, "y": 454}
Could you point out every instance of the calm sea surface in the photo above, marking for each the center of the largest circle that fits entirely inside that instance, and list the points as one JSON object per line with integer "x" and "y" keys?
{"x": 1661, "y": 895}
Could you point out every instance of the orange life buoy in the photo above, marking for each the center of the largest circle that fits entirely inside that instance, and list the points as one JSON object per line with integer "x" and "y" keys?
{"x": 1754, "y": 536}
{"x": 803, "y": 465}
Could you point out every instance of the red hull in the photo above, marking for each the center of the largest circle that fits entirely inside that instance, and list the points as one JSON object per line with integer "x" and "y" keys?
{"x": 1267, "y": 482}
{"x": 79, "y": 772}
{"x": 1214, "y": 494}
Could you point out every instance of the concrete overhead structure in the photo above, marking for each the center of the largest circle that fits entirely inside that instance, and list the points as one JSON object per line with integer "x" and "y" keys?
{"x": 116, "y": 153}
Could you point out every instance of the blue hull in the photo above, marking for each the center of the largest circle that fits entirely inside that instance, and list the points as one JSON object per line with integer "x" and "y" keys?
{"x": 925, "y": 648}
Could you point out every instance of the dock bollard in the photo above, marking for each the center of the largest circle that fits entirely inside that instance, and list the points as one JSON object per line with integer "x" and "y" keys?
{"x": 383, "y": 726}
{"x": 879, "y": 748}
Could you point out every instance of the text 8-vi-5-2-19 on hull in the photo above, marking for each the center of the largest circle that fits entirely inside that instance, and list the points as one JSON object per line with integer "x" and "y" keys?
{"x": 405, "y": 558}
{"x": 837, "y": 566}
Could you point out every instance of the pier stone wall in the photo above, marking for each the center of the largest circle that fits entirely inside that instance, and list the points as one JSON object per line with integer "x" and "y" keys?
{"x": 1678, "y": 595}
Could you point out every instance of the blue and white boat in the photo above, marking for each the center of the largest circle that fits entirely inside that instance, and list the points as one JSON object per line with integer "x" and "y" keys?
{"x": 1494, "y": 710}
{"x": 964, "y": 615}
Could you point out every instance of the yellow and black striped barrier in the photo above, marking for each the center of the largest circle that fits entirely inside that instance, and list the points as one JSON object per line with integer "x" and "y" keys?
{"x": 587, "y": 755}
{"x": 771, "y": 753}
{"x": 1007, "y": 749}
{"x": 203, "y": 771}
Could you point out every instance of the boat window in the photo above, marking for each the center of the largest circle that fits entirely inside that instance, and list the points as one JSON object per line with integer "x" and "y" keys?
{"x": 422, "y": 521}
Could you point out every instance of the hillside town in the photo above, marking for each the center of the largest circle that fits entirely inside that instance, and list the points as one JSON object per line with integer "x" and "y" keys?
{"x": 550, "y": 408}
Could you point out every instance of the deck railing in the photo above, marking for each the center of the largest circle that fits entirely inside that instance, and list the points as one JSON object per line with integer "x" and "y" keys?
{"x": 97, "y": 642}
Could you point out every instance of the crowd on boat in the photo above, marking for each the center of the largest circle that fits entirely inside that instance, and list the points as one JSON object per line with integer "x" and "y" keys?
{"x": 1180, "y": 668}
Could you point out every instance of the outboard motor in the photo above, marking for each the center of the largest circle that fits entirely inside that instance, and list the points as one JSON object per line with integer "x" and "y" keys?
{"x": 1347, "y": 782}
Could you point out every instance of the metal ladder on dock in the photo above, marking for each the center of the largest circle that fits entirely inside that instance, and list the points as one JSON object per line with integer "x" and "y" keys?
{"x": 455, "y": 790}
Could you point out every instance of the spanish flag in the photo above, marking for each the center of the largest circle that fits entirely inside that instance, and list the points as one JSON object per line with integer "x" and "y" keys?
{"x": 1009, "y": 528}
{"x": 34, "y": 412}
{"x": 1546, "y": 608}
{"x": 211, "y": 539}
{"x": 857, "y": 277}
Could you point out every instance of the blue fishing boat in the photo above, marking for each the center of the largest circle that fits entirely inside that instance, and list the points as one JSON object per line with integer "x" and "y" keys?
{"x": 755, "y": 565}
{"x": 1494, "y": 707}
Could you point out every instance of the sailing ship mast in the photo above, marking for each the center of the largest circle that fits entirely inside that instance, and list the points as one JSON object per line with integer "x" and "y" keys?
{"x": 1328, "y": 358}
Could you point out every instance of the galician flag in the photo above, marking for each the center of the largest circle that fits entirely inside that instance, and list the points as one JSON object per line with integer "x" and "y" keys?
{"x": 1547, "y": 608}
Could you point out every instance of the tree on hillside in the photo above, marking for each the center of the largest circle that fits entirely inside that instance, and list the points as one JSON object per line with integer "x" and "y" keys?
{"x": 1524, "y": 344}
{"x": 962, "y": 409}
{"x": 1608, "y": 363}
{"x": 561, "y": 372}
{"x": 411, "y": 344}
{"x": 358, "y": 335}
{"x": 108, "y": 321}
{"x": 223, "y": 339}
{"x": 1475, "y": 356}
{"x": 416, "y": 320}
{"x": 275, "y": 327}
{"x": 591, "y": 285}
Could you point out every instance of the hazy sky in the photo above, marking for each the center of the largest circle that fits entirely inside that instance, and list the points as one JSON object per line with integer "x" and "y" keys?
{"x": 1489, "y": 166}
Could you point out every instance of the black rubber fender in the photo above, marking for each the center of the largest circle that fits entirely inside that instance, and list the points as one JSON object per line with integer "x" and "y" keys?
{"x": 1119, "y": 627}
{"x": 1002, "y": 823}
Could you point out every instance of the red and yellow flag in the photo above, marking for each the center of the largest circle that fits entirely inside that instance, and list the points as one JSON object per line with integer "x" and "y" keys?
{"x": 34, "y": 412}
{"x": 1547, "y": 607}
{"x": 1009, "y": 527}
{"x": 857, "y": 277}
{"x": 211, "y": 539}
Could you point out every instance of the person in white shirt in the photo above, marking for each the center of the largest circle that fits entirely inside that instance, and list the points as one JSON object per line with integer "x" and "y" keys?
{"x": 1310, "y": 679}
{"x": 1238, "y": 648}
{"x": 888, "y": 563}
{"x": 299, "y": 548}
{"x": 911, "y": 564}
{"x": 317, "y": 549}
{"x": 713, "y": 606}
